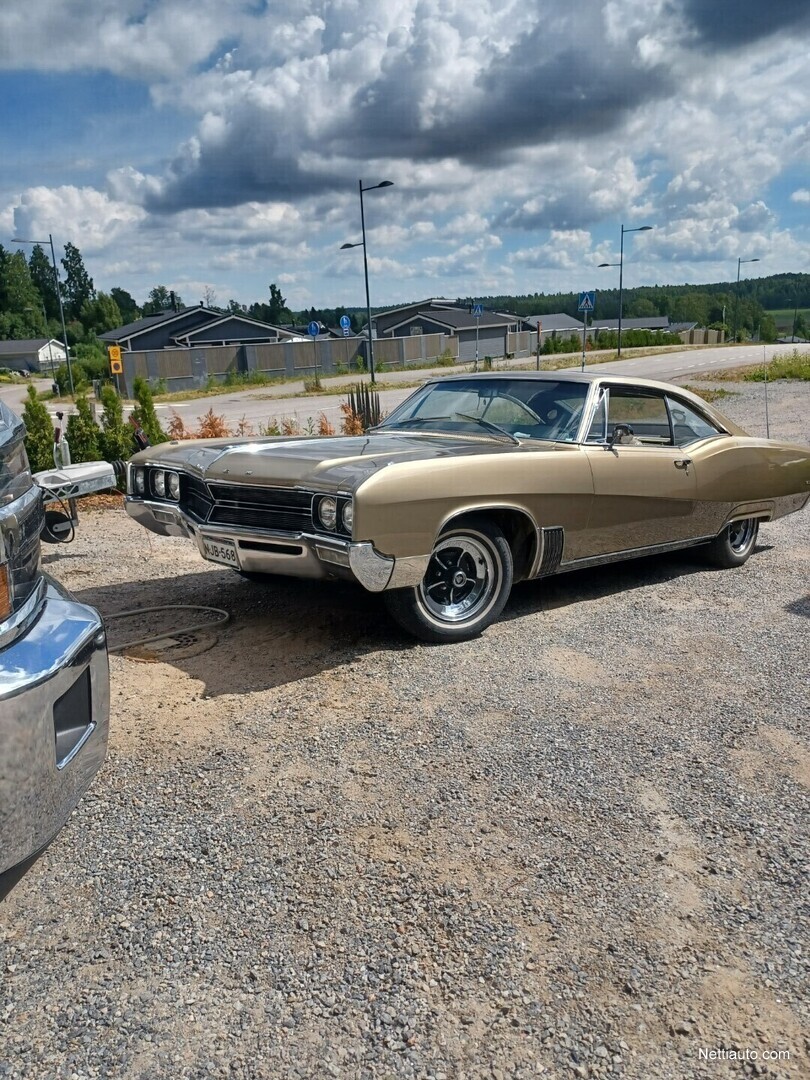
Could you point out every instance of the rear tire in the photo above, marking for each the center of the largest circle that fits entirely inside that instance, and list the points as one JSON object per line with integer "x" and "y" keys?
{"x": 465, "y": 587}
{"x": 734, "y": 545}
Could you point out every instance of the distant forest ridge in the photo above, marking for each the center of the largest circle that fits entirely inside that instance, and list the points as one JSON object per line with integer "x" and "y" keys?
{"x": 682, "y": 303}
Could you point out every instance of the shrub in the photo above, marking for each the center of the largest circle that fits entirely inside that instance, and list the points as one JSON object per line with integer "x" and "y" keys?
{"x": 446, "y": 359}
{"x": 351, "y": 424}
{"x": 38, "y": 433}
{"x": 324, "y": 427}
{"x": 792, "y": 365}
{"x": 487, "y": 363}
{"x": 244, "y": 427}
{"x": 313, "y": 385}
{"x": 290, "y": 426}
{"x": 82, "y": 433}
{"x": 178, "y": 430}
{"x": 115, "y": 439}
{"x": 144, "y": 413}
{"x": 341, "y": 369}
{"x": 212, "y": 426}
{"x": 270, "y": 428}
{"x": 364, "y": 403}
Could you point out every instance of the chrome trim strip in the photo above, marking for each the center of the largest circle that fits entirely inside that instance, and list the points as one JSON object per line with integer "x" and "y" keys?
{"x": 632, "y": 553}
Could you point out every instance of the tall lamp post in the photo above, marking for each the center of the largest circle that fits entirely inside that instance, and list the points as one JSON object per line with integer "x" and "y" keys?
{"x": 362, "y": 244}
{"x": 41, "y": 243}
{"x": 737, "y": 296}
{"x": 641, "y": 228}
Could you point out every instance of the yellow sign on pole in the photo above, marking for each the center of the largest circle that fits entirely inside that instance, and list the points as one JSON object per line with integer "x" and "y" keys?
{"x": 116, "y": 364}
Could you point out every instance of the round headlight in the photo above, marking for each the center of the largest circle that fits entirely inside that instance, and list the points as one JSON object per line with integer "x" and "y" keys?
{"x": 159, "y": 483}
{"x": 173, "y": 485}
{"x": 327, "y": 512}
{"x": 348, "y": 516}
{"x": 138, "y": 481}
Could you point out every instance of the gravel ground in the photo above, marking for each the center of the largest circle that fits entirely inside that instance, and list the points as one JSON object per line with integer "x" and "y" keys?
{"x": 576, "y": 847}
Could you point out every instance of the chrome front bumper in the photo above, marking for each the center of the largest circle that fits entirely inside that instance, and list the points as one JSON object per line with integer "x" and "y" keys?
{"x": 290, "y": 554}
{"x": 54, "y": 720}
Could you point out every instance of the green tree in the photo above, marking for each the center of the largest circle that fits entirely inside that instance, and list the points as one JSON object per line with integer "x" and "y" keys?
{"x": 83, "y": 433}
{"x": 21, "y": 303}
{"x": 278, "y": 310}
{"x": 116, "y": 435}
{"x": 144, "y": 413}
{"x": 641, "y": 309}
{"x": 101, "y": 314}
{"x": 41, "y": 270}
{"x": 126, "y": 305}
{"x": 160, "y": 299}
{"x": 78, "y": 287}
{"x": 38, "y": 432}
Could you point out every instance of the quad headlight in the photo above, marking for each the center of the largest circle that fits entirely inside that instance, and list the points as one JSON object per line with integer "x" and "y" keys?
{"x": 347, "y": 516}
{"x": 159, "y": 483}
{"x": 327, "y": 512}
{"x": 173, "y": 485}
{"x": 139, "y": 481}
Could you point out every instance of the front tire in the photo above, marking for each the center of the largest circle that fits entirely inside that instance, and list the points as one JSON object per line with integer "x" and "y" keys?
{"x": 465, "y": 587}
{"x": 734, "y": 545}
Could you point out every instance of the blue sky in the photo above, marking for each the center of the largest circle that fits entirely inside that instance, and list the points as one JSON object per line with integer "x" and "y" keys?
{"x": 215, "y": 146}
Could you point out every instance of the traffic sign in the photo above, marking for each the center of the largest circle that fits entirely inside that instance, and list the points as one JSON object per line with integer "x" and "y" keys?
{"x": 345, "y": 322}
{"x": 478, "y": 310}
{"x": 116, "y": 367}
{"x": 587, "y": 301}
{"x": 116, "y": 363}
{"x": 346, "y": 331}
{"x": 314, "y": 329}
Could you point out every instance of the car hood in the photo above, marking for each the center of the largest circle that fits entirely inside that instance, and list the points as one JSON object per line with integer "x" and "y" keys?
{"x": 340, "y": 462}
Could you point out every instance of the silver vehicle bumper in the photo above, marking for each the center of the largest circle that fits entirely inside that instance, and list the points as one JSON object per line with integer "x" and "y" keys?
{"x": 290, "y": 554}
{"x": 54, "y": 719}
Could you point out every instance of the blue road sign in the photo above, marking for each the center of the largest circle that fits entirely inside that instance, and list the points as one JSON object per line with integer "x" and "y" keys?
{"x": 345, "y": 322}
{"x": 478, "y": 310}
{"x": 587, "y": 301}
{"x": 314, "y": 329}
{"x": 346, "y": 331}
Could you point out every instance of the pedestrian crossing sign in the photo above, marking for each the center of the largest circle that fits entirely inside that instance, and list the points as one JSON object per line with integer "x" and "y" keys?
{"x": 587, "y": 301}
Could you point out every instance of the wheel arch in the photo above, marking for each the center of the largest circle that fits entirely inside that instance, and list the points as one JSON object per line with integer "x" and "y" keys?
{"x": 518, "y": 526}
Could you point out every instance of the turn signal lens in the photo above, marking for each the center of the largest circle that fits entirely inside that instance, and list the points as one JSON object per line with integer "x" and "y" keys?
{"x": 5, "y": 593}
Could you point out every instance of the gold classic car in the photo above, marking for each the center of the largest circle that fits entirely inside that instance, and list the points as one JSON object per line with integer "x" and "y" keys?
{"x": 473, "y": 483}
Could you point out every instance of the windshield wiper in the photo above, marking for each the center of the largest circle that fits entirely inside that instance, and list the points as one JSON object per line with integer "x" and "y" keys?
{"x": 410, "y": 420}
{"x": 488, "y": 424}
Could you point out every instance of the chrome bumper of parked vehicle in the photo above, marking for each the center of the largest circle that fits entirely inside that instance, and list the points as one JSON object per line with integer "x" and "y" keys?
{"x": 290, "y": 554}
{"x": 54, "y": 718}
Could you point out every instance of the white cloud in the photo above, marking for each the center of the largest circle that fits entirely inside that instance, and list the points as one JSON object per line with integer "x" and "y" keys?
{"x": 801, "y": 195}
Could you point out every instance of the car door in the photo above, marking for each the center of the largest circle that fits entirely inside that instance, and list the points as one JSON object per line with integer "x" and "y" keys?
{"x": 645, "y": 487}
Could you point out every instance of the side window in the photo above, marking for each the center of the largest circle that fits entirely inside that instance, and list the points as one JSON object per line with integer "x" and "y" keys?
{"x": 597, "y": 431}
{"x": 688, "y": 424}
{"x": 645, "y": 413}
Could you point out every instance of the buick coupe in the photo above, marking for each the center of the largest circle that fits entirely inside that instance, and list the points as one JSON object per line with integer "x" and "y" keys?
{"x": 473, "y": 483}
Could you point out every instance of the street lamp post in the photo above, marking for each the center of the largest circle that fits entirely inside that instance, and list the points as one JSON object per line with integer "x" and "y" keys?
{"x": 641, "y": 228}
{"x": 362, "y": 244}
{"x": 59, "y": 297}
{"x": 737, "y": 296}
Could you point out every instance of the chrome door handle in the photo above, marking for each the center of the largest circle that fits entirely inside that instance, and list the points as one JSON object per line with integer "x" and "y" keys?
{"x": 683, "y": 463}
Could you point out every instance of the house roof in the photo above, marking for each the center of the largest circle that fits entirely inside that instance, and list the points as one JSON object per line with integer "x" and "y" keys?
{"x": 224, "y": 320}
{"x": 28, "y": 345}
{"x": 557, "y": 321}
{"x": 149, "y": 322}
{"x": 458, "y": 319}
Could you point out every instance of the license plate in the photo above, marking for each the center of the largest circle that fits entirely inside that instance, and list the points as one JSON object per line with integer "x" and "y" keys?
{"x": 220, "y": 551}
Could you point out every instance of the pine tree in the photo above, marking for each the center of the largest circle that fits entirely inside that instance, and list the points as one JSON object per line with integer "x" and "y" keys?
{"x": 83, "y": 433}
{"x": 38, "y": 432}
{"x": 116, "y": 442}
{"x": 144, "y": 413}
{"x": 78, "y": 287}
{"x": 41, "y": 270}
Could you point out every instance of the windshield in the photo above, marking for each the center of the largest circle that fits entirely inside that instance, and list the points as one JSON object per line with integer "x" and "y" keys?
{"x": 512, "y": 408}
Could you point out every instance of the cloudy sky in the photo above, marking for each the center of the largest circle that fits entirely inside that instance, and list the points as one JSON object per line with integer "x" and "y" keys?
{"x": 219, "y": 143}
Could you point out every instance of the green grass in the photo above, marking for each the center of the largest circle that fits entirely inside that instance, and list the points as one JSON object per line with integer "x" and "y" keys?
{"x": 783, "y": 317}
{"x": 787, "y": 365}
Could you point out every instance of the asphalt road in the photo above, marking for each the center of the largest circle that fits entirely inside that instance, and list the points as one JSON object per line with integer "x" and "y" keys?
{"x": 259, "y": 406}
